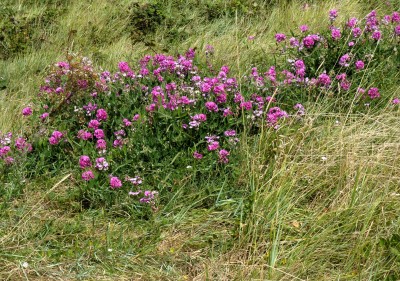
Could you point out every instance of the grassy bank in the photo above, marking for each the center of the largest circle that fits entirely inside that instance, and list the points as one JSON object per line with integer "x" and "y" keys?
{"x": 326, "y": 208}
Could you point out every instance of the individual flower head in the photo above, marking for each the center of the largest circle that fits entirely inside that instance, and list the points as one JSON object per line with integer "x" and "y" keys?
{"x": 352, "y": 22}
{"x": 396, "y": 17}
{"x": 300, "y": 109}
{"x": 359, "y": 65}
{"x": 303, "y": 28}
{"x": 344, "y": 60}
{"x": 101, "y": 114}
{"x": 101, "y": 145}
{"x": 101, "y": 164}
{"x": 356, "y": 32}
{"x": 115, "y": 182}
{"x": 211, "y": 106}
{"x": 9, "y": 160}
{"x": 136, "y": 181}
{"x": 333, "y": 14}
{"x": 99, "y": 134}
{"x": 324, "y": 80}
{"x": 373, "y": 93}
{"x": 84, "y": 135}
{"x": 308, "y": 42}
{"x": 246, "y": 105}
{"x": 44, "y": 116}
{"x": 197, "y": 155}
{"x": 4, "y": 151}
{"x": 280, "y": 37}
{"x": 214, "y": 145}
{"x": 126, "y": 122}
{"x": 397, "y": 30}
{"x": 376, "y": 35}
{"x": 230, "y": 133}
{"x": 27, "y": 111}
{"x": 55, "y": 138}
{"x": 87, "y": 175}
{"x": 335, "y": 33}
{"x": 22, "y": 145}
{"x": 94, "y": 124}
{"x": 84, "y": 162}
{"x": 396, "y": 101}
{"x": 223, "y": 156}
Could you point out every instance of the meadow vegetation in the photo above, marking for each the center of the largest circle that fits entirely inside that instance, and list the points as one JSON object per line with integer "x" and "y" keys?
{"x": 199, "y": 140}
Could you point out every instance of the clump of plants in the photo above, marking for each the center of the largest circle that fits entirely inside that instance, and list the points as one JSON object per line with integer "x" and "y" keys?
{"x": 123, "y": 131}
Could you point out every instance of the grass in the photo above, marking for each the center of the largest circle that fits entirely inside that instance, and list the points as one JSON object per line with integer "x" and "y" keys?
{"x": 327, "y": 208}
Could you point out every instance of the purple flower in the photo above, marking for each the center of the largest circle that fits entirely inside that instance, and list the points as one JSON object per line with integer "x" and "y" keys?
{"x": 352, "y": 22}
{"x": 22, "y": 145}
{"x": 335, "y": 33}
{"x": 124, "y": 67}
{"x": 84, "y": 135}
{"x": 396, "y": 17}
{"x": 223, "y": 156}
{"x": 247, "y": 105}
{"x": 115, "y": 182}
{"x": 84, "y": 161}
{"x": 397, "y": 30}
{"x": 373, "y": 93}
{"x": 274, "y": 114}
{"x": 27, "y": 111}
{"x": 8, "y": 160}
{"x": 126, "y": 122}
{"x": 200, "y": 117}
{"x": 101, "y": 164}
{"x": 333, "y": 14}
{"x": 135, "y": 180}
{"x": 324, "y": 80}
{"x": 55, "y": 138}
{"x": 227, "y": 112}
{"x": 101, "y": 114}
{"x": 53, "y": 141}
{"x": 87, "y": 175}
{"x": 230, "y": 133}
{"x": 376, "y": 35}
{"x": 308, "y": 42}
{"x": 356, "y": 32}
{"x": 300, "y": 109}
{"x": 294, "y": 42}
{"x": 99, "y": 134}
{"x": 44, "y": 116}
{"x": 197, "y": 155}
{"x": 214, "y": 145}
{"x": 101, "y": 145}
{"x": 396, "y": 101}
{"x": 94, "y": 124}
{"x": 303, "y": 28}
{"x": 359, "y": 64}
{"x": 345, "y": 85}
{"x": 280, "y": 37}
{"x": 4, "y": 150}
{"x": 211, "y": 106}
{"x": 344, "y": 60}
{"x": 118, "y": 143}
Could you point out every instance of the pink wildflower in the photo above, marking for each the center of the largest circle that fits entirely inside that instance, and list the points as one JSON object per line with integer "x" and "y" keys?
{"x": 101, "y": 114}
{"x": 84, "y": 161}
{"x": 197, "y": 155}
{"x": 373, "y": 93}
{"x": 27, "y": 111}
{"x": 115, "y": 182}
{"x": 87, "y": 175}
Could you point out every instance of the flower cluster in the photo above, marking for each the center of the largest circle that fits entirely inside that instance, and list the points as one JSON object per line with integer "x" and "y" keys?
{"x": 164, "y": 108}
